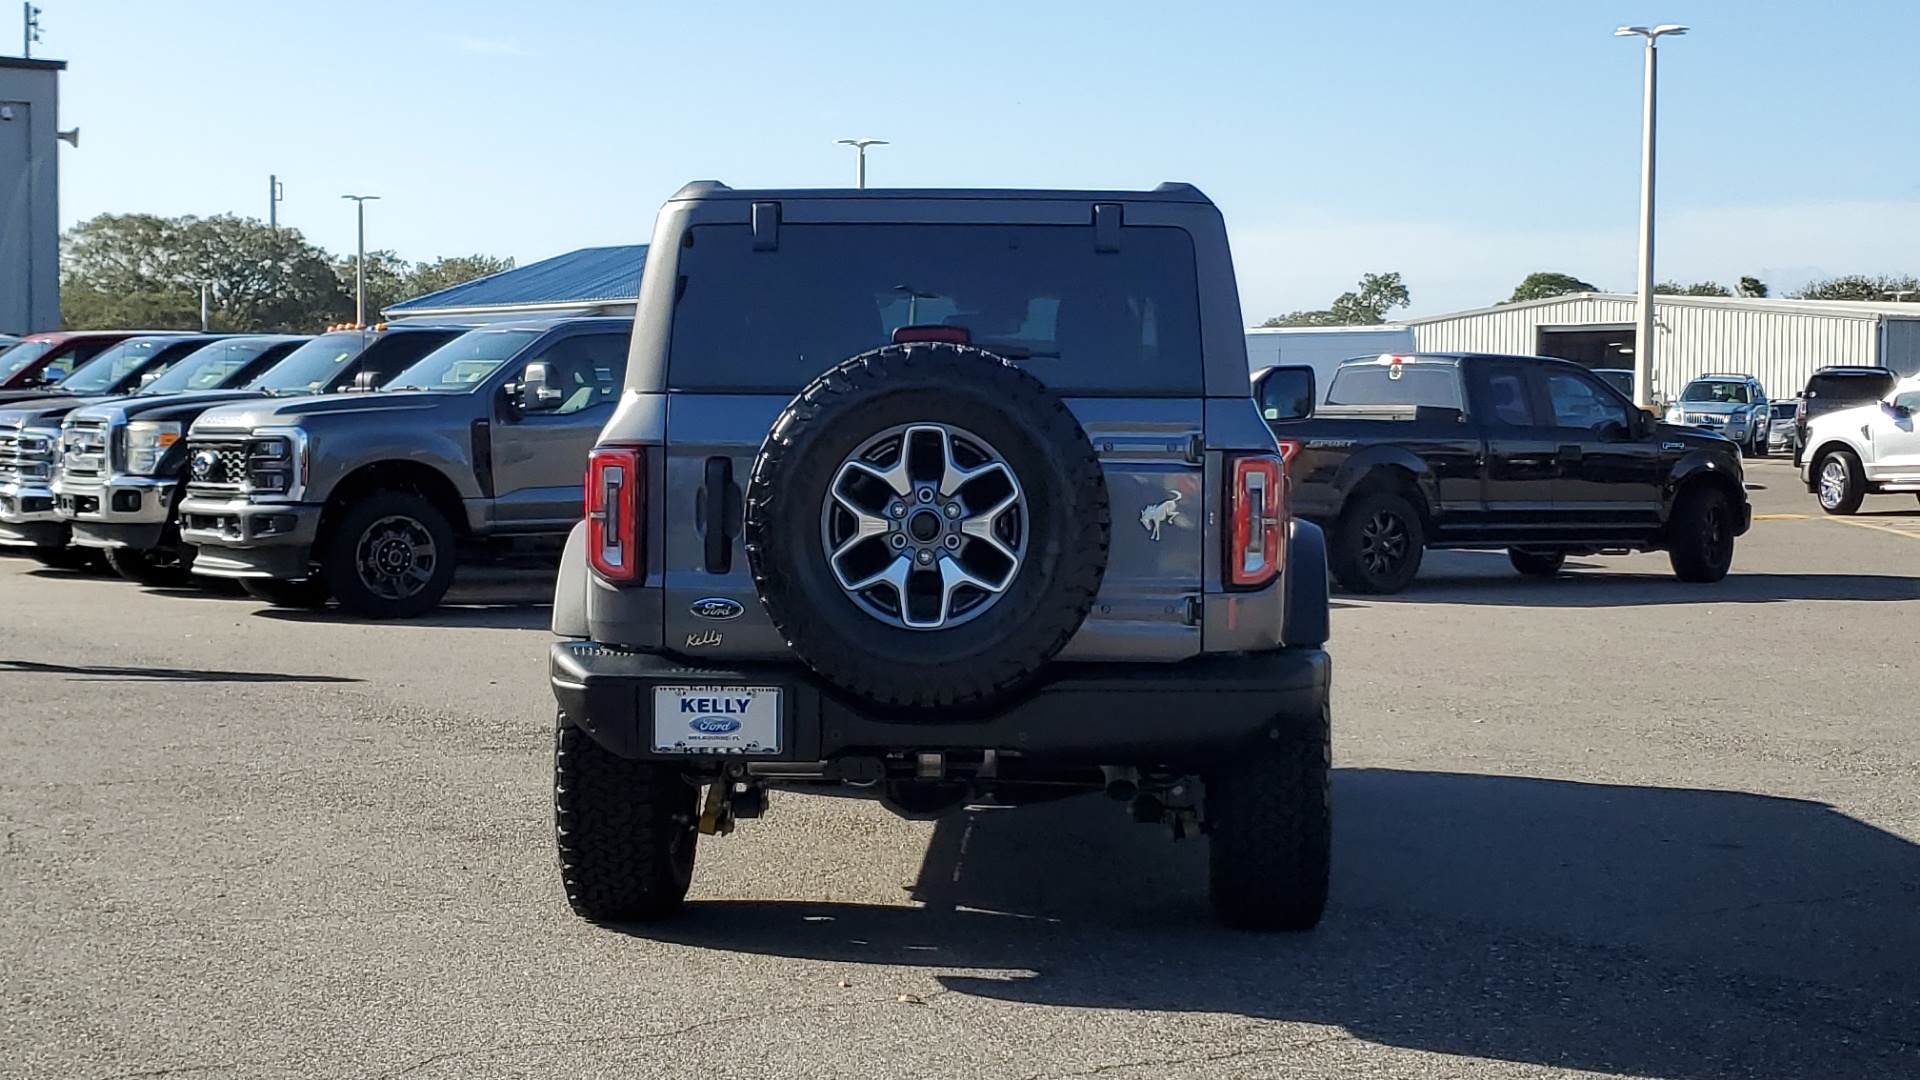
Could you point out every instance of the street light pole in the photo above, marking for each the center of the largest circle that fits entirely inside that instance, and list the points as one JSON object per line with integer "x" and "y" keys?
{"x": 360, "y": 261}
{"x": 1643, "y": 330}
{"x": 860, "y": 160}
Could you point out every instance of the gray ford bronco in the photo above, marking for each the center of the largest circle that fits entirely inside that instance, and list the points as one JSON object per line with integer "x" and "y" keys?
{"x": 475, "y": 450}
{"x": 949, "y": 497}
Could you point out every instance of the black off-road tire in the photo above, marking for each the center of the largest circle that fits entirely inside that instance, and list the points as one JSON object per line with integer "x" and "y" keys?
{"x": 1540, "y": 564}
{"x": 1270, "y": 830}
{"x": 1378, "y": 544}
{"x": 1851, "y": 491}
{"x": 308, "y": 594}
{"x": 1700, "y": 536}
{"x": 80, "y": 560}
{"x": 153, "y": 567}
{"x": 626, "y": 831}
{"x": 1759, "y": 447}
{"x": 1066, "y": 525}
{"x": 340, "y": 562}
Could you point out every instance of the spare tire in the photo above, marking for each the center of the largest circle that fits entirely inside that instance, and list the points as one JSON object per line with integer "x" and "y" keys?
{"x": 927, "y": 525}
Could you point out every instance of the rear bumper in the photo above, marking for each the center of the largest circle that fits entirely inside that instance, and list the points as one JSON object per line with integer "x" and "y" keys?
{"x": 241, "y": 539}
{"x": 1174, "y": 715}
{"x": 28, "y": 517}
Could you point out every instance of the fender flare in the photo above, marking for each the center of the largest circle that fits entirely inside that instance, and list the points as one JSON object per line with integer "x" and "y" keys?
{"x": 570, "y": 586}
{"x": 1308, "y": 615}
{"x": 1358, "y": 469}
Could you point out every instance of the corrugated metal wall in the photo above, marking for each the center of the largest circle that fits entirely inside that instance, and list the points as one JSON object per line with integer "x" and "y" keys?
{"x": 1781, "y": 347}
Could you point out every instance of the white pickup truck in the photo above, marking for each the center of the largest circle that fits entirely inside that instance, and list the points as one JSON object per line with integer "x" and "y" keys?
{"x": 1871, "y": 449}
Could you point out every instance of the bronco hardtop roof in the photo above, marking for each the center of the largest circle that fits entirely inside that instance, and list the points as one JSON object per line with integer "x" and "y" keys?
{"x": 1170, "y": 192}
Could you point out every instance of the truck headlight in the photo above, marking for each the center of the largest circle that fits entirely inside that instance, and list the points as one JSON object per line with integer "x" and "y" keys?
{"x": 273, "y": 465}
{"x": 1676, "y": 416}
{"x": 147, "y": 443}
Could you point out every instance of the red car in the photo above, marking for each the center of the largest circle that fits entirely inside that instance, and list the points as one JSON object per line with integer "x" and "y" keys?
{"x": 44, "y": 359}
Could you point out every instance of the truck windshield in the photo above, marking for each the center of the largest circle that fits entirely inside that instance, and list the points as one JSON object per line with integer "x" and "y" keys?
{"x": 1042, "y": 296}
{"x": 17, "y": 358}
{"x": 1734, "y": 393}
{"x": 211, "y": 367}
{"x": 314, "y": 366}
{"x": 1374, "y": 383}
{"x": 465, "y": 362}
{"x": 105, "y": 371}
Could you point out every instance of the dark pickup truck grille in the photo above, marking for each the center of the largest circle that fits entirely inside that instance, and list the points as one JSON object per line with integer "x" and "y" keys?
{"x": 17, "y": 464}
{"x": 219, "y": 467}
{"x": 83, "y": 453}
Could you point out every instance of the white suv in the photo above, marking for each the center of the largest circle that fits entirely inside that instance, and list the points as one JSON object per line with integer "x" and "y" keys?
{"x": 1866, "y": 450}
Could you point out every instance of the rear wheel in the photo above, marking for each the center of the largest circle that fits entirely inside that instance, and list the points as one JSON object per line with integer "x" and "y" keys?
{"x": 1842, "y": 483}
{"x": 1270, "y": 827}
{"x": 1537, "y": 563}
{"x": 391, "y": 557}
{"x": 152, "y": 566}
{"x": 1700, "y": 540}
{"x": 1378, "y": 545}
{"x": 310, "y": 593}
{"x": 625, "y": 830}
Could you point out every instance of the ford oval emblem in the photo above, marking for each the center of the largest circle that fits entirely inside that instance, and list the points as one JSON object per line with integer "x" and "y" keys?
{"x": 717, "y": 608}
{"x": 714, "y": 725}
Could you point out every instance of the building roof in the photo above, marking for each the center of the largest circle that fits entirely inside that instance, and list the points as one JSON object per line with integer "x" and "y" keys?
{"x": 1846, "y": 309}
{"x": 1357, "y": 328}
{"x": 585, "y": 277}
{"x": 32, "y": 64}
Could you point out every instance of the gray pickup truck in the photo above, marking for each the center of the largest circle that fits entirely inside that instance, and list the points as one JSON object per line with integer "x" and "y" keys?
{"x": 30, "y": 439}
{"x": 944, "y": 497}
{"x": 123, "y": 465}
{"x": 478, "y": 448}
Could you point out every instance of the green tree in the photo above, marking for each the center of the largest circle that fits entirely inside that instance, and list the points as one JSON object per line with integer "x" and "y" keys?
{"x": 1366, "y": 305}
{"x": 387, "y": 276}
{"x": 1752, "y": 287}
{"x": 140, "y": 270}
{"x": 1698, "y": 288}
{"x": 1861, "y": 287}
{"x": 450, "y": 270}
{"x": 1544, "y": 283}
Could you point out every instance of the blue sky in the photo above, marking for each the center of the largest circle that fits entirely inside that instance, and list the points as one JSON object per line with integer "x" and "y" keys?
{"x": 1463, "y": 144}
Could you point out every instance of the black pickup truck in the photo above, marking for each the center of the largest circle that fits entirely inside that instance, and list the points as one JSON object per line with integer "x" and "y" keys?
{"x": 1525, "y": 453}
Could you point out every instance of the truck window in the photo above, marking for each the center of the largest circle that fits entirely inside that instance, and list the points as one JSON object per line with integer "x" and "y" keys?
{"x": 1082, "y": 320}
{"x": 1503, "y": 394}
{"x": 1580, "y": 403}
{"x": 1414, "y": 383}
{"x": 588, "y": 367}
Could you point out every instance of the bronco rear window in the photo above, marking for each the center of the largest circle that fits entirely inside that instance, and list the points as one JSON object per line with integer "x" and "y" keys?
{"x": 1083, "y": 321}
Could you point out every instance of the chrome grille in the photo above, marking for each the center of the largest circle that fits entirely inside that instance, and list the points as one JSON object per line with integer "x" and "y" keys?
{"x": 25, "y": 458}
{"x": 216, "y": 466}
{"x": 83, "y": 449}
{"x": 1705, "y": 419}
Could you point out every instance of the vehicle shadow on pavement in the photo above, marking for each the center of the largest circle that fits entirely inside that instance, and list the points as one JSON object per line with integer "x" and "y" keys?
{"x": 99, "y": 673}
{"x": 1652, "y": 931}
{"x": 473, "y": 617}
{"x": 1485, "y": 578}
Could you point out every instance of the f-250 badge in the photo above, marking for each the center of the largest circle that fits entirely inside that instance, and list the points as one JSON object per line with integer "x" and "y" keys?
{"x": 1160, "y": 514}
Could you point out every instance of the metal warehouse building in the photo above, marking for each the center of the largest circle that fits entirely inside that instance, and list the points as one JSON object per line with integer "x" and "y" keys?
{"x": 1780, "y": 341}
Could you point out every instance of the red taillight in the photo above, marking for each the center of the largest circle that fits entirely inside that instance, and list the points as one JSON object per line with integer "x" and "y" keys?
{"x": 1257, "y": 544}
{"x": 1288, "y": 449}
{"x": 616, "y": 505}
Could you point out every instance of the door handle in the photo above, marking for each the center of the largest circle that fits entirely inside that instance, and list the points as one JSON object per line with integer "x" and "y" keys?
{"x": 1571, "y": 454}
{"x": 720, "y": 506}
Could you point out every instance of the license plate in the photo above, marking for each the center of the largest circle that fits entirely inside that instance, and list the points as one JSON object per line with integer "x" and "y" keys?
{"x": 716, "y": 719}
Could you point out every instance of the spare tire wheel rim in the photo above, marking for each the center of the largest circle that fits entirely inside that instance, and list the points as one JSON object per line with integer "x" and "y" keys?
{"x": 925, "y": 526}
{"x": 395, "y": 557}
{"x": 1833, "y": 482}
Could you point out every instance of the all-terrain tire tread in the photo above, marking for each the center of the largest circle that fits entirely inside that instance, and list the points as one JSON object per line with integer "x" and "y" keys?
{"x": 613, "y": 820}
{"x": 1270, "y": 822}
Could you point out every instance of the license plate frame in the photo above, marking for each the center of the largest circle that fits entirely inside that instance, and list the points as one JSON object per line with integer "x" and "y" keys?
{"x": 734, "y": 721}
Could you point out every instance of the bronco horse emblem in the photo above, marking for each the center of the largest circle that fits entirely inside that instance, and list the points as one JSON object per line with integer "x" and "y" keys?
{"x": 1161, "y": 513}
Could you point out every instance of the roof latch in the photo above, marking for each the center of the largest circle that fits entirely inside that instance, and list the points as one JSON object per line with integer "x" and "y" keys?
{"x": 766, "y": 226}
{"x": 1106, "y": 226}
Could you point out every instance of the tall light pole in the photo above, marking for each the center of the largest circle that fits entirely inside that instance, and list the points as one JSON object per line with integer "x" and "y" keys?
{"x": 860, "y": 162}
{"x": 360, "y": 261}
{"x": 1643, "y": 331}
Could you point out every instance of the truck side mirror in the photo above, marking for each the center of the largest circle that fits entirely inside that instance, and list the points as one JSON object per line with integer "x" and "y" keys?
{"x": 536, "y": 392}
{"x": 364, "y": 382}
{"x": 1285, "y": 393}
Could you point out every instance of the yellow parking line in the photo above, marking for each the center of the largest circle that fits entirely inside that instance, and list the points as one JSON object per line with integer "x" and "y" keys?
{"x": 1911, "y": 535}
{"x": 1779, "y": 517}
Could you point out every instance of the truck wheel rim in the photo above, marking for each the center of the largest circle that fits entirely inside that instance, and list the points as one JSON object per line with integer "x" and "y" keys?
{"x": 924, "y": 526}
{"x": 1833, "y": 482}
{"x": 396, "y": 557}
{"x": 1383, "y": 543}
{"x": 1718, "y": 535}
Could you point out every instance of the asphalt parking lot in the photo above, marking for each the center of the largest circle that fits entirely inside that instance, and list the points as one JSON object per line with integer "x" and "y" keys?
{"x": 1606, "y": 825}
